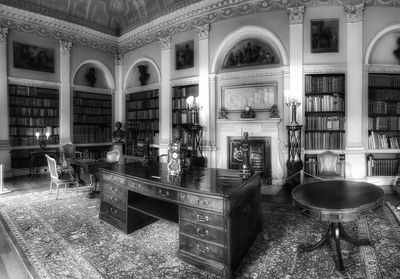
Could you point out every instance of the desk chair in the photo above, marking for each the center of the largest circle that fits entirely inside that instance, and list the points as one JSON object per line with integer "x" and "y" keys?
{"x": 328, "y": 166}
{"x": 163, "y": 158}
{"x": 68, "y": 153}
{"x": 58, "y": 178}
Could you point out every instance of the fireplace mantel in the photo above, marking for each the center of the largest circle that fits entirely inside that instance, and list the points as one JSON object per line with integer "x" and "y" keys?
{"x": 255, "y": 128}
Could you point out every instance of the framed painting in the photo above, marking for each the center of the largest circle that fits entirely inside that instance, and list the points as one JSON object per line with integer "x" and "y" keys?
{"x": 324, "y": 35}
{"x": 259, "y": 97}
{"x": 33, "y": 57}
{"x": 184, "y": 55}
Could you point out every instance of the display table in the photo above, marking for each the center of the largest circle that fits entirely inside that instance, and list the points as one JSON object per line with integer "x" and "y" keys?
{"x": 337, "y": 201}
{"x": 219, "y": 214}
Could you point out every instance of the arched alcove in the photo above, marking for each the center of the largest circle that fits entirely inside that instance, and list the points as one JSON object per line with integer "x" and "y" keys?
{"x": 380, "y": 49}
{"x": 132, "y": 78}
{"x": 104, "y": 78}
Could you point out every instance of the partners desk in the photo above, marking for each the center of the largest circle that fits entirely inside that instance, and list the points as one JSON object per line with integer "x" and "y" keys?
{"x": 218, "y": 212}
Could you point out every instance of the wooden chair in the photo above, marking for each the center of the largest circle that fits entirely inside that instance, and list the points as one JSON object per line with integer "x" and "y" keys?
{"x": 68, "y": 153}
{"x": 58, "y": 178}
{"x": 328, "y": 167}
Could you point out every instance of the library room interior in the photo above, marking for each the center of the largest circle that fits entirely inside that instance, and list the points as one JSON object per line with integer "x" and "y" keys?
{"x": 199, "y": 139}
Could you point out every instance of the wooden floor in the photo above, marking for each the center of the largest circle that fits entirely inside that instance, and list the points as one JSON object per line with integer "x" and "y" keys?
{"x": 11, "y": 264}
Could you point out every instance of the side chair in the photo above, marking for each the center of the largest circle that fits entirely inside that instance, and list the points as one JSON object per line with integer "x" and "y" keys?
{"x": 56, "y": 177}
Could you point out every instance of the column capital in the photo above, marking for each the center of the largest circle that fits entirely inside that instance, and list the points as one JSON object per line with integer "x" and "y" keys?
{"x": 65, "y": 47}
{"x": 296, "y": 14}
{"x": 3, "y": 34}
{"x": 354, "y": 13}
{"x": 165, "y": 42}
{"x": 204, "y": 31}
{"x": 118, "y": 57}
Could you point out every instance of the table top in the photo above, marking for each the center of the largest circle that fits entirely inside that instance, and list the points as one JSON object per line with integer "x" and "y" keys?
{"x": 348, "y": 198}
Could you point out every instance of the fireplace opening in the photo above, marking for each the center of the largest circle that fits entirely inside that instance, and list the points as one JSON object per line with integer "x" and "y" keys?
{"x": 259, "y": 154}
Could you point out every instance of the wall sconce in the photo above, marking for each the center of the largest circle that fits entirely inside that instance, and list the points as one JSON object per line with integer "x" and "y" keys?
{"x": 293, "y": 104}
{"x": 194, "y": 107}
{"x": 43, "y": 138}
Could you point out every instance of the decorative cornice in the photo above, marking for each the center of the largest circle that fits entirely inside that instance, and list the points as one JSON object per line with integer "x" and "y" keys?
{"x": 147, "y": 87}
{"x": 185, "y": 81}
{"x": 332, "y": 68}
{"x": 33, "y": 83}
{"x": 118, "y": 58}
{"x": 381, "y": 68}
{"x": 285, "y": 70}
{"x": 296, "y": 14}
{"x": 204, "y": 31}
{"x": 89, "y": 89}
{"x": 354, "y": 13}
{"x": 65, "y": 47}
{"x": 250, "y": 74}
{"x": 165, "y": 42}
{"x": 3, "y": 34}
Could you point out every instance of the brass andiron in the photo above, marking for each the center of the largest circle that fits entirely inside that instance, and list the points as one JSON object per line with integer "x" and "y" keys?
{"x": 245, "y": 171}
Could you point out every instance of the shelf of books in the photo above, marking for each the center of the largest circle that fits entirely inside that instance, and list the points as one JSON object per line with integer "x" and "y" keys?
{"x": 324, "y": 115}
{"x": 383, "y": 124}
{"x": 142, "y": 121}
{"x": 92, "y": 117}
{"x": 31, "y": 110}
{"x": 181, "y": 113}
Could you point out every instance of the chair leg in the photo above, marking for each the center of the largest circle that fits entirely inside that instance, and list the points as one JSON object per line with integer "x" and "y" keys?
{"x": 58, "y": 189}
{"x": 51, "y": 185}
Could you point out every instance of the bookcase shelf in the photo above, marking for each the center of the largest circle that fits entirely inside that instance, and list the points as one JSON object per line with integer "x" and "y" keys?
{"x": 142, "y": 120}
{"x": 92, "y": 114}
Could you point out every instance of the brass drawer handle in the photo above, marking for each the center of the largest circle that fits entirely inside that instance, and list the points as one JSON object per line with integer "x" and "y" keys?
{"x": 114, "y": 189}
{"x": 202, "y": 218}
{"x": 204, "y": 249}
{"x": 166, "y": 194}
{"x": 115, "y": 200}
{"x": 114, "y": 211}
{"x": 202, "y": 232}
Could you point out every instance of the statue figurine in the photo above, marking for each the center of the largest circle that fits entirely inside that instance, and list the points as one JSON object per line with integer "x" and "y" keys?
{"x": 91, "y": 76}
{"x": 245, "y": 170}
{"x": 146, "y": 147}
{"x": 144, "y": 76}
{"x": 118, "y": 135}
{"x": 222, "y": 113}
{"x": 176, "y": 153}
{"x": 274, "y": 111}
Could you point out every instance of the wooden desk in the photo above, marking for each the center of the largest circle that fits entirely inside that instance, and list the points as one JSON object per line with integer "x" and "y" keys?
{"x": 218, "y": 213}
{"x": 39, "y": 155}
{"x": 337, "y": 201}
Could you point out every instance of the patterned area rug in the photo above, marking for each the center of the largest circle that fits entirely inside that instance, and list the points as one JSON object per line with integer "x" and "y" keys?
{"x": 65, "y": 239}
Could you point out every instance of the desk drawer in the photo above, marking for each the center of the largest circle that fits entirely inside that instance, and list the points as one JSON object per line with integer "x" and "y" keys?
{"x": 112, "y": 221}
{"x": 113, "y": 211}
{"x": 209, "y": 203}
{"x": 115, "y": 200}
{"x": 114, "y": 190}
{"x": 203, "y": 232}
{"x": 165, "y": 193}
{"x": 202, "y": 249}
{"x": 140, "y": 187}
{"x": 201, "y": 217}
{"x": 113, "y": 178}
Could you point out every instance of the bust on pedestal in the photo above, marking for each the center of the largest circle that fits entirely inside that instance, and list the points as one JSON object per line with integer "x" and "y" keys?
{"x": 118, "y": 139}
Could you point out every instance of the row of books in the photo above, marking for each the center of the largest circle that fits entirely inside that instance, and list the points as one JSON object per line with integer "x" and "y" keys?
{"x": 143, "y": 114}
{"x": 179, "y": 104}
{"x": 185, "y": 91}
{"x": 185, "y": 117}
{"x": 93, "y": 110}
{"x": 383, "y": 167}
{"x": 324, "y": 84}
{"x": 95, "y": 119}
{"x": 33, "y": 111}
{"x": 324, "y": 103}
{"x": 25, "y": 91}
{"x": 324, "y": 140}
{"x": 384, "y": 94}
{"x": 142, "y": 95}
{"x": 384, "y": 80}
{"x": 92, "y": 103}
{"x": 31, "y": 131}
{"x": 142, "y": 104}
{"x": 384, "y": 123}
{"x": 91, "y": 134}
{"x": 33, "y": 121}
{"x": 382, "y": 141}
{"x": 139, "y": 125}
{"x": 29, "y": 140}
{"x": 382, "y": 107}
{"x": 33, "y": 102}
{"x": 324, "y": 123}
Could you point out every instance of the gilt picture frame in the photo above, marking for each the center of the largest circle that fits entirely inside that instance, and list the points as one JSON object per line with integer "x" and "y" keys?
{"x": 32, "y": 57}
{"x": 184, "y": 55}
{"x": 324, "y": 35}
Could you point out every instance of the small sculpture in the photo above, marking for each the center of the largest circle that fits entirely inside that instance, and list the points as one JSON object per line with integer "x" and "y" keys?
{"x": 146, "y": 147}
{"x": 274, "y": 111}
{"x": 245, "y": 170}
{"x": 144, "y": 76}
{"x": 176, "y": 153}
{"x": 91, "y": 76}
{"x": 222, "y": 114}
{"x": 396, "y": 52}
{"x": 118, "y": 134}
{"x": 248, "y": 112}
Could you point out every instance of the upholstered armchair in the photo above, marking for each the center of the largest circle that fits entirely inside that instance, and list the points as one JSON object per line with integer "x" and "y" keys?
{"x": 328, "y": 167}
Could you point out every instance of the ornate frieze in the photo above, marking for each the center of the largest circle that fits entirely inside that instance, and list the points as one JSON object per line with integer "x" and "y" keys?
{"x": 379, "y": 68}
{"x": 185, "y": 81}
{"x": 296, "y": 15}
{"x": 315, "y": 69}
{"x": 165, "y": 42}
{"x": 250, "y": 74}
{"x": 33, "y": 83}
{"x": 3, "y": 34}
{"x": 354, "y": 13}
{"x": 65, "y": 47}
{"x": 204, "y": 31}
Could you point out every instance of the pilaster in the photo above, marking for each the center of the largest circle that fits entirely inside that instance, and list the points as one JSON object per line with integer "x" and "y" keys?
{"x": 119, "y": 98}
{"x": 65, "y": 92}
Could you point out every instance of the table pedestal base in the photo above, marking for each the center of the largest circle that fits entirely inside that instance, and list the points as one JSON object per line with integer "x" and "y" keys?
{"x": 336, "y": 231}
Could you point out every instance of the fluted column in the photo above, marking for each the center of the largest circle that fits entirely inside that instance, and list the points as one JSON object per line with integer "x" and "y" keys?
{"x": 355, "y": 161}
{"x": 65, "y": 92}
{"x": 165, "y": 95}
{"x": 119, "y": 113}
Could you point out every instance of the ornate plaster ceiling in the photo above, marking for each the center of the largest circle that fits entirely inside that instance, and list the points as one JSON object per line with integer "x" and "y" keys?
{"x": 113, "y": 17}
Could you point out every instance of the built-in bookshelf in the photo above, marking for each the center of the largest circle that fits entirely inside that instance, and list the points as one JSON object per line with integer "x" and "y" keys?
{"x": 142, "y": 120}
{"x": 94, "y": 151}
{"x": 383, "y": 124}
{"x": 92, "y": 117}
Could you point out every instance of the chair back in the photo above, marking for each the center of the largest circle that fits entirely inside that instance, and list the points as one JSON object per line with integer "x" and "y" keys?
{"x": 113, "y": 156}
{"x": 51, "y": 162}
{"x": 68, "y": 150}
{"x": 328, "y": 162}
{"x": 163, "y": 158}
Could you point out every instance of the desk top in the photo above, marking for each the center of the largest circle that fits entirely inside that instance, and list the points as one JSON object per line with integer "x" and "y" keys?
{"x": 338, "y": 196}
{"x": 198, "y": 179}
